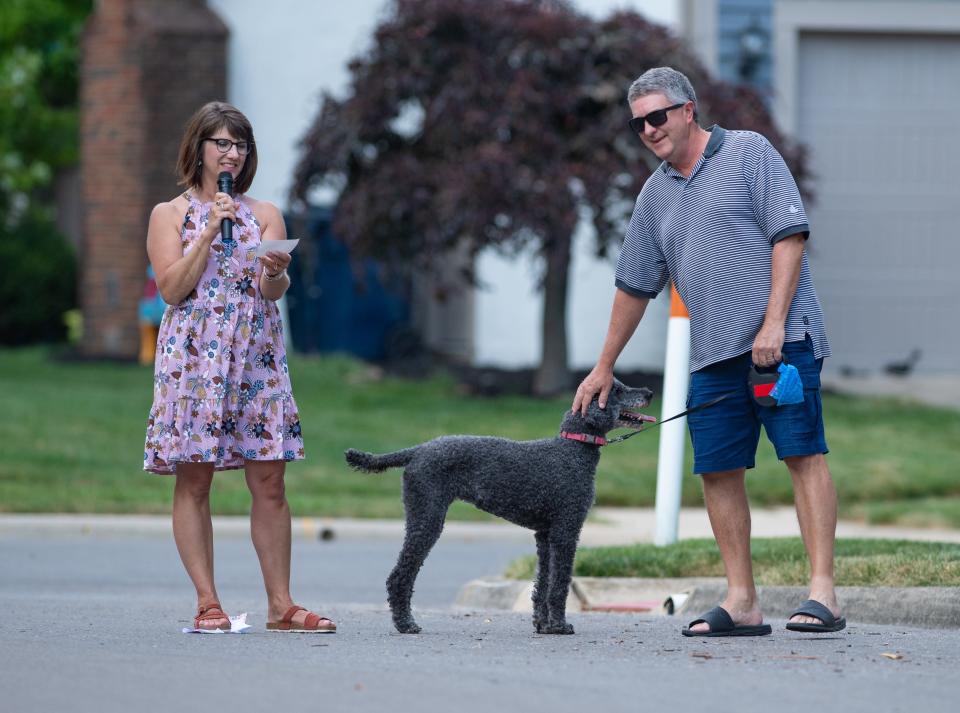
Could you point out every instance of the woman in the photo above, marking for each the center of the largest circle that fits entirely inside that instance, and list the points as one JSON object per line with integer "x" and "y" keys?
{"x": 222, "y": 397}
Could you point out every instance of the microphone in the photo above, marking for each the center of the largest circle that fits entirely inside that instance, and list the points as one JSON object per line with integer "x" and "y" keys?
{"x": 225, "y": 185}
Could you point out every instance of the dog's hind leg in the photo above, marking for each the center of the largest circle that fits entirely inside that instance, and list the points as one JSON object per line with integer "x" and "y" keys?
{"x": 563, "y": 548}
{"x": 542, "y": 584}
{"x": 424, "y": 523}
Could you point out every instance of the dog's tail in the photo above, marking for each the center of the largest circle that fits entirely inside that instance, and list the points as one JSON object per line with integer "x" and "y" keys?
{"x": 374, "y": 463}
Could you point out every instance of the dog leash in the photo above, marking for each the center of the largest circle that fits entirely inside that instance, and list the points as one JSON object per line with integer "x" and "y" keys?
{"x": 692, "y": 409}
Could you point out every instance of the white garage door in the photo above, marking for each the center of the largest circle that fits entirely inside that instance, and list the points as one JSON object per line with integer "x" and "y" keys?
{"x": 880, "y": 116}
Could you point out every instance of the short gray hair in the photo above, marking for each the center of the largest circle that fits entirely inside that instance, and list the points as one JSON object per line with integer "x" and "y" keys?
{"x": 672, "y": 84}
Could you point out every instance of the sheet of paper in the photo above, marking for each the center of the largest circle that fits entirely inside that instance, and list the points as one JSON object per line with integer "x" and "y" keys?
{"x": 238, "y": 625}
{"x": 280, "y": 246}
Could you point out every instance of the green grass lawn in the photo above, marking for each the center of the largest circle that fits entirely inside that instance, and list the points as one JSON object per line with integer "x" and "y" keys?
{"x": 776, "y": 561}
{"x": 72, "y": 441}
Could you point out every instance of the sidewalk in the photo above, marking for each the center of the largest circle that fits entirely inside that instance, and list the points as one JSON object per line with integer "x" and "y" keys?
{"x": 611, "y": 526}
{"x": 606, "y": 526}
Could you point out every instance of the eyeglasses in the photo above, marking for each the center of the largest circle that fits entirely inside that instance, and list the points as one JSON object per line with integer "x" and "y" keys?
{"x": 243, "y": 147}
{"x": 656, "y": 118}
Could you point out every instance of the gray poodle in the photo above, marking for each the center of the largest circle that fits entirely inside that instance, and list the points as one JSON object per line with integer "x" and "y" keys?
{"x": 544, "y": 485}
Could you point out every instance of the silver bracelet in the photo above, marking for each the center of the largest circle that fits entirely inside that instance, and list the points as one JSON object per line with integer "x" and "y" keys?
{"x": 274, "y": 278}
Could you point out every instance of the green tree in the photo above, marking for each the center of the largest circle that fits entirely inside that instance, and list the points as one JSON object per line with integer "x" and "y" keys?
{"x": 39, "y": 53}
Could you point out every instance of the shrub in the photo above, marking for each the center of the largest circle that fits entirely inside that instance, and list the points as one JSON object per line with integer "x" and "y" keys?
{"x": 38, "y": 281}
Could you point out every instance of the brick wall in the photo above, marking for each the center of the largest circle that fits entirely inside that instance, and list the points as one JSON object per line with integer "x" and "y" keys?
{"x": 147, "y": 65}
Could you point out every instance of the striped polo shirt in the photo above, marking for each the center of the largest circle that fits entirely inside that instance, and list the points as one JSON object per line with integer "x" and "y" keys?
{"x": 713, "y": 235}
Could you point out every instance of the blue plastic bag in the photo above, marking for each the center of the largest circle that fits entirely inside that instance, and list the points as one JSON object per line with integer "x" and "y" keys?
{"x": 789, "y": 388}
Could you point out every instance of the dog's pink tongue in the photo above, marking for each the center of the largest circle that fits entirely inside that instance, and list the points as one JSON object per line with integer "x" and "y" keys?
{"x": 647, "y": 419}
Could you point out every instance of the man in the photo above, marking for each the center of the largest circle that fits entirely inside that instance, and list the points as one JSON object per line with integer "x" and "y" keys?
{"x": 722, "y": 218}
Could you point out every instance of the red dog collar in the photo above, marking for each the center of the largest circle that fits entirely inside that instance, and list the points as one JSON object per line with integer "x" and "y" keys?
{"x": 584, "y": 438}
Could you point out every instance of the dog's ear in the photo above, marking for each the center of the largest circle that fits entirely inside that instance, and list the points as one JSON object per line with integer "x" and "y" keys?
{"x": 596, "y": 420}
{"x": 575, "y": 421}
{"x": 596, "y": 416}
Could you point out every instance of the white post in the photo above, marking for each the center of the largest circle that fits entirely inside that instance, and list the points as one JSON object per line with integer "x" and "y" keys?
{"x": 673, "y": 435}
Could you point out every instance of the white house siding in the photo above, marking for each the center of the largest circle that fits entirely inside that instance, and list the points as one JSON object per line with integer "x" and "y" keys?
{"x": 510, "y": 312}
{"x": 282, "y": 55}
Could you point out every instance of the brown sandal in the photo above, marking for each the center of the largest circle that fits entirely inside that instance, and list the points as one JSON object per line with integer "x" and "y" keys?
{"x": 313, "y": 624}
{"x": 211, "y": 612}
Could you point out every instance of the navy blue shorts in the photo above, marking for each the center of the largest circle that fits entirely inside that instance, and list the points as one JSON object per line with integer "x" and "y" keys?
{"x": 725, "y": 436}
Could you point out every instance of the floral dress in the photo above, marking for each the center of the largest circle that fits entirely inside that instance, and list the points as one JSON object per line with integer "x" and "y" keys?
{"x": 221, "y": 389}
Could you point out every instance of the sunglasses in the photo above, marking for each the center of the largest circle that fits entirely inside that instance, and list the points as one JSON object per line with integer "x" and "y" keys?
{"x": 243, "y": 147}
{"x": 655, "y": 118}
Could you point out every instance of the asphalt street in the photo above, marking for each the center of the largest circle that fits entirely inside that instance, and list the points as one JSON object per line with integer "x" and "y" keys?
{"x": 93, "y": 624}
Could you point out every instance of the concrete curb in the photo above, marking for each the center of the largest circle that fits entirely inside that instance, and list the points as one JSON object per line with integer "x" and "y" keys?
{"x": 923, "y": 607}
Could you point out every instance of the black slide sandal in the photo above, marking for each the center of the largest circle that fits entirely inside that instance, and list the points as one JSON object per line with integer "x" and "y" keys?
{"x": 722, "y": 625}
{"x": 813, "y": 608}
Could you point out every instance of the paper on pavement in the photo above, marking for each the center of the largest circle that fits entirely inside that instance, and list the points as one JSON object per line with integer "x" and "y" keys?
{"x": 238, "y": 625}
{"x": 280, "y": 246}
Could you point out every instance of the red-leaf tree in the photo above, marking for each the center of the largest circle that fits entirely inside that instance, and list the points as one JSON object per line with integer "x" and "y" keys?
{"x": 471, "y": 125}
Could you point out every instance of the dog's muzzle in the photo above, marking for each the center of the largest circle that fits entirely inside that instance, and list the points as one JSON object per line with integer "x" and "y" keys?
{"x": 634, "y": 419}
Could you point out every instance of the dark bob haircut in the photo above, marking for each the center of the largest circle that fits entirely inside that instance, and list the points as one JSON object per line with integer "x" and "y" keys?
{"x": 209, "y": 119}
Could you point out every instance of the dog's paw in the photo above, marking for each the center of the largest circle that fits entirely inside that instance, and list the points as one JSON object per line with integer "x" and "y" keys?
{"x": 408, "y": 627}
{"x": 555, "y": 628}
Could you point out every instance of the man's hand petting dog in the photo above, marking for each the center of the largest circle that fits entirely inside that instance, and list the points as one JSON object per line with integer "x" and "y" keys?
{"x": 597, "y": 383}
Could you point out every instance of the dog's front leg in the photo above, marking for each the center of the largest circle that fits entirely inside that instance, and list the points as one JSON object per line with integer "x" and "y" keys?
{"x": 541, "y": 586}
{"x": 562, "y": 552}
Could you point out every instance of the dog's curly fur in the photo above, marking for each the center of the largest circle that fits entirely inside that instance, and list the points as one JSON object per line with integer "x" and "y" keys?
{"x": 545, "y": 485}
